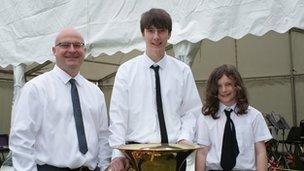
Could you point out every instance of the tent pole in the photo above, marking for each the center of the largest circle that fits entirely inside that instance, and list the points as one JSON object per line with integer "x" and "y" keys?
{"x": 186, "y": 51}
{"x": 292, "y": 81}
{"x": 19, "y": 80}
{"x": 236, "y": 54}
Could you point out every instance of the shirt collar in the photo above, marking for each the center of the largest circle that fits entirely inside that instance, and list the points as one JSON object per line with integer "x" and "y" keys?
{"x": 149, "y": 62}
{"x": 65, "y": 78}
{"x": 223, "y": 107}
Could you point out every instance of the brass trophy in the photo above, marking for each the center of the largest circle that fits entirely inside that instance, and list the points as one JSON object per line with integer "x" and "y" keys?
{"x": 157, "y": 157}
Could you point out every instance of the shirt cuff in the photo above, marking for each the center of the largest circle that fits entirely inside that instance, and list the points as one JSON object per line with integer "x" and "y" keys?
{"x": 203, "y": 142}
{"x": 185, "y": 137}
{"x": 117, "y": 153}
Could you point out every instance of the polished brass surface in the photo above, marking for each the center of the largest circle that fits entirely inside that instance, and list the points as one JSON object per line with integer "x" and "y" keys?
{"x": 157, "y": 157}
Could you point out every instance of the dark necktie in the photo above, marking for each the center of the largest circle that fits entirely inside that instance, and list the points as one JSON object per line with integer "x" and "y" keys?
{"x": 82, "y": 142}
{"x": 161, "y": 119}
{"x": 230, "y": 149}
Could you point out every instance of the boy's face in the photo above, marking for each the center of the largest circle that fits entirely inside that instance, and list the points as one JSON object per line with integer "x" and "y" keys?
{"x": 226, "y": 91}
{"x": 156, "y": 39}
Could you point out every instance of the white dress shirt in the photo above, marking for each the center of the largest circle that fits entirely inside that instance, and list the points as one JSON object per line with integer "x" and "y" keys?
{"x": 250, "y": 128}
{"x": 43, "y": 127}
{"x": 133, "y": 110}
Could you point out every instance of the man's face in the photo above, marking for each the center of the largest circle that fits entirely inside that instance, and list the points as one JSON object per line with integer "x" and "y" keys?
{"x": 226, "y": 91}
{"x": 156, "y": 39}
{"x": 69, "y": 50}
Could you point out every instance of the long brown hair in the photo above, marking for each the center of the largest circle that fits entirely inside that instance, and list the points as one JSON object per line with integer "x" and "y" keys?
{"x": 211, "y": 105}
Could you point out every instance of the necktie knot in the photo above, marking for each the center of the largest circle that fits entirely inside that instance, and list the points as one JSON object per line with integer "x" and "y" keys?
{"x": 155, "y": 68}
{"x": 72, "y": 81}
{"x": 228, "y": 112}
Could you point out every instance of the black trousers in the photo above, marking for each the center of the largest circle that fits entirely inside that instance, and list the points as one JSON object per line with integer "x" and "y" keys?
{"x": 47, "y": 167}
{"x": 183, "y": 167}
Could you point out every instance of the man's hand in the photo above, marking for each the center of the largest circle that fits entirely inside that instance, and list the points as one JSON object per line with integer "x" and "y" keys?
{"x": 185, "y": 142}
{"x": 119, "y": 164}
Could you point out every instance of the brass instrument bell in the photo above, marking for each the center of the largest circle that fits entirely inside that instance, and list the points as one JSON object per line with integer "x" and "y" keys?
{"x": 157, "y": 157}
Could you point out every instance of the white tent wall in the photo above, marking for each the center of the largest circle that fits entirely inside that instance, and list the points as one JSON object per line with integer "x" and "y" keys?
{"x": 6, "y": 97}
{"x": 298, "y": 54}
{"x": 300, "y": 98}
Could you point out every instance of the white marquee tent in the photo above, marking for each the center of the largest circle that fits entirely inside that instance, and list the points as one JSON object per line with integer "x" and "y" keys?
{"x": 111, "y": 31}
{"x": 28, "y": 27}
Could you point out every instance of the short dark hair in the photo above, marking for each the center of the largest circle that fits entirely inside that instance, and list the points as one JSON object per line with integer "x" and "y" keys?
{"x": 211, "y": 105}
{"x": 158, "y": 18}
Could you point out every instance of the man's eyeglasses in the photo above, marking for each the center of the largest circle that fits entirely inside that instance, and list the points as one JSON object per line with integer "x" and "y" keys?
{"x": 66, "y": 45}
